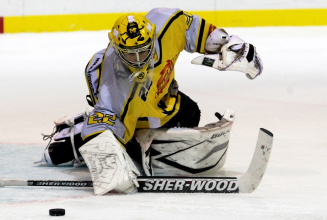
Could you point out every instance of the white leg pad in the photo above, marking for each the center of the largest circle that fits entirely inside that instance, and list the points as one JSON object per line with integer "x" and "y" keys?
{"x": 109, "y": 164}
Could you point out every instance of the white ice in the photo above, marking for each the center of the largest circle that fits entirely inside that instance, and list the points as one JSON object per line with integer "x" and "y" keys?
{"x": 42, "y": 79}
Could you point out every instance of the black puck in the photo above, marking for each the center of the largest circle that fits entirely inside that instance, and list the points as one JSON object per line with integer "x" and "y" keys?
{"x": 57, "y": 212}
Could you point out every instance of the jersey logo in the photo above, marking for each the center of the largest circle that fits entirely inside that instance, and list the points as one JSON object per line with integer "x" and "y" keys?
{"x": 165, "y": 75}
{"x": 98, "y": 117}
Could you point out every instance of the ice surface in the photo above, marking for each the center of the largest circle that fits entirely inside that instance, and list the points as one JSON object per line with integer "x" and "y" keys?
{"x": 42, "y": 79}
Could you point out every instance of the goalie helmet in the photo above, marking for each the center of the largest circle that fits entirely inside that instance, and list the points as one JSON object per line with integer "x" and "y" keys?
{"x": 132, "y": 37}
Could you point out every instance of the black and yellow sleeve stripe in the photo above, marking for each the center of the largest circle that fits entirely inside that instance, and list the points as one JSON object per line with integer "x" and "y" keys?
{"x": 203, "y": 32}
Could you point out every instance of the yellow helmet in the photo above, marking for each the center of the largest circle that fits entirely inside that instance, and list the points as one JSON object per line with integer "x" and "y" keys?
{"x": 133, "y": 35}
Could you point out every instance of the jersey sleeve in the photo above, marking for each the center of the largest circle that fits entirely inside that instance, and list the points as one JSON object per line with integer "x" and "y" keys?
{"x": 93, "y": 73}
{"x": 197, "y": 32}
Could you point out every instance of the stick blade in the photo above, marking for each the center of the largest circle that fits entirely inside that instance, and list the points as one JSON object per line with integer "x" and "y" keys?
{"x": 253, "y": 176}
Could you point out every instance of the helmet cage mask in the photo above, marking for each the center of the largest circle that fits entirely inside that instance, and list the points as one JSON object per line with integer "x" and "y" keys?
{"x": 138, "y": 64}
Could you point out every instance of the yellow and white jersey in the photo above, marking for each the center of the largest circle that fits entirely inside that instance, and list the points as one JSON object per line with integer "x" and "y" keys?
{"x": 123, "y": 106}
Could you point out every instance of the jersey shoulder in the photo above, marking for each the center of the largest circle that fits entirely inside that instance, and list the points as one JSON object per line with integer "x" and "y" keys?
{"x": 161, "y": 17}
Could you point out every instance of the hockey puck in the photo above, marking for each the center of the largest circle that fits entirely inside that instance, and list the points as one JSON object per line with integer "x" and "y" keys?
{"x": 57, "y": 212}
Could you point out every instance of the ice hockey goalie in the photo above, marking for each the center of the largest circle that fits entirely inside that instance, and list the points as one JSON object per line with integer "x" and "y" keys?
{"x": 142, "y": 124}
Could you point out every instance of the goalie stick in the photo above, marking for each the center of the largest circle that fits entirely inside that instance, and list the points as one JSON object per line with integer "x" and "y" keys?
{"x": 246, "y": 183}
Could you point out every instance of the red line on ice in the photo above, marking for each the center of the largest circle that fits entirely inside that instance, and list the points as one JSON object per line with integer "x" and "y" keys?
{"x": 1, "y": 25}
